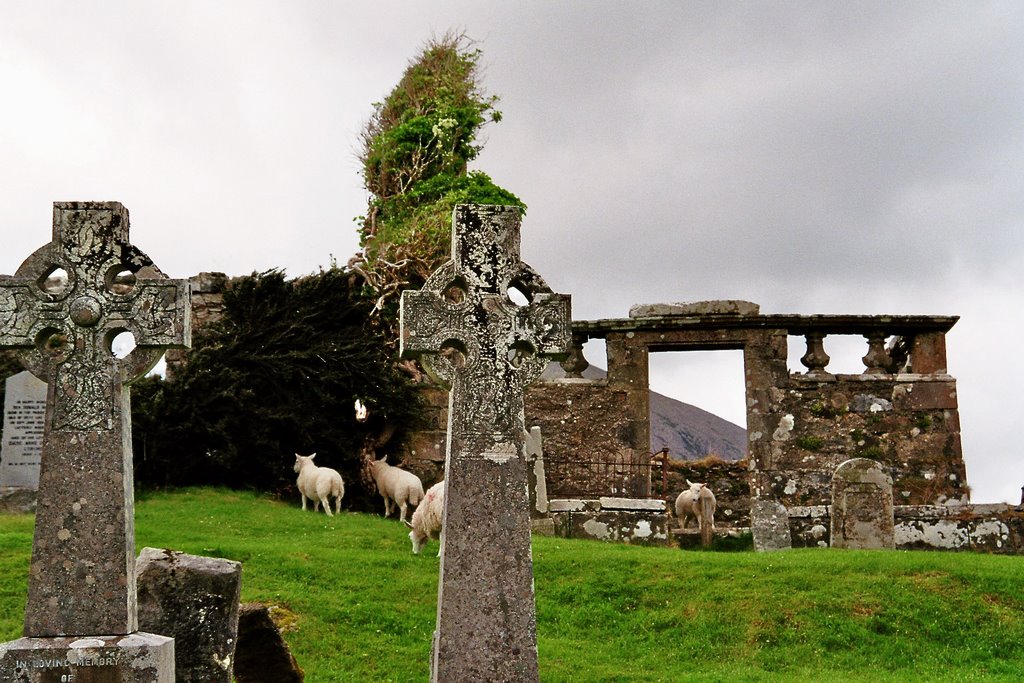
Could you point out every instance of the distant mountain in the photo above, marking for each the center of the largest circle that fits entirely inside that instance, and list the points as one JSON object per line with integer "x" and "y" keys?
{"x": 691, "y": 433}
{"x": 688, "y": 432}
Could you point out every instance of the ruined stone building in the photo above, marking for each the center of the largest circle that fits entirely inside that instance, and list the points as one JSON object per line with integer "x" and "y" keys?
{"x": 901, "y": 411}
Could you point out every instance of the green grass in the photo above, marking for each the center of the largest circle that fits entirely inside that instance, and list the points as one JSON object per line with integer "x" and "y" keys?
{"x": 363, "y": 605}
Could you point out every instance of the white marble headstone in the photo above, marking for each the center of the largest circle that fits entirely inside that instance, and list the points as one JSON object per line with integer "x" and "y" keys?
{"x": 24, "y": 418}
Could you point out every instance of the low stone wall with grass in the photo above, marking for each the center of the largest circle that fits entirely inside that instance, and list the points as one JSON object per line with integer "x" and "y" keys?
{"x": 624, "y": 520}
{"x": 995, "y": 528}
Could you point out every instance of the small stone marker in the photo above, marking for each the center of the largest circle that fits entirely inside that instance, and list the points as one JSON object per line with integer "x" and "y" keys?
{"x": 81, "y": 619}
{"x": 261, "y": 655}
{"x": 862, "y": 513}
{"x": 769, "y": 525}
{"x": 24, "y": 417}
{"x": 194, "y": 600}
{"x": 470, "y": 335}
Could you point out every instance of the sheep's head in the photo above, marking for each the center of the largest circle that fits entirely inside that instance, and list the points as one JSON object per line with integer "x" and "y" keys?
{"x": 417, "y": 541}
{"x": 301, "y": 460}
{"x": 695, "y": 488}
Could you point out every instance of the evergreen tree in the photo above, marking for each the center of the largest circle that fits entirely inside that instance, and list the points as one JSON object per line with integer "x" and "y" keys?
{"x": 278, "y": 374}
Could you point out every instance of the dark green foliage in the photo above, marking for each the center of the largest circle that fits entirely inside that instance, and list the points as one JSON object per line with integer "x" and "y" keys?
{"x": 277, "y": 375}
{"x": 809, "y": 443}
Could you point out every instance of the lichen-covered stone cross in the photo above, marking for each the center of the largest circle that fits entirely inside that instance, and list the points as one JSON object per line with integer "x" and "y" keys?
{"x": 469, "y": 334}
{"x": 82, "y": 578}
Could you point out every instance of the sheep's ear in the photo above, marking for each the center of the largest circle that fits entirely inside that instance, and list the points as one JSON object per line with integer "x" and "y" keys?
{"x": 382, "y": 458}
{"x": 312, "y": 455}
{"x": 406, "y": 522}
{"x": 689, "y": 483}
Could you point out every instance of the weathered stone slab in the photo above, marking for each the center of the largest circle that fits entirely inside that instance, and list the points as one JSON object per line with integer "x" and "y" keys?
{"x": 262, "y": 656}
{"x": 649, "y": 504}
{"x": 862, "y": 507}
{"x": 534, "y": 447}
{"x": 17, "y": 500}
{"x": 470, "y": 335}
{"x": 639, "y": 527}
{"x": 769, "y": 525}
{"x": 194, "y": 600}
{"x": 24, "y": 420}
{"x": 134, "y": 658}
{"x": 568, "y": 505}
{"x": 722, "y": 307}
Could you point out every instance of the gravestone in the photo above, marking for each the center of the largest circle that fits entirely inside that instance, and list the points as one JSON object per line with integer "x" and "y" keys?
{"x": 81, "y": 615}
{"x": 862, "y": 513}
{"x": 262, "y": 655}
{"x": 194, "y": 600}
{"x": 471, "y": 336}
{"x": 24, "y": 418}
{"x": 769, "y": 525}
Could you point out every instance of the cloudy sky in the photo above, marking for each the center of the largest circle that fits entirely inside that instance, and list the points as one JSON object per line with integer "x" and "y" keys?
{"x": 812, "y": 157}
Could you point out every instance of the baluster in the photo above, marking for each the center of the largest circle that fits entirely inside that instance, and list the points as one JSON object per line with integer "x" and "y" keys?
{"x": 816, "y": 359}
{"x": 877, "y": 361}
{"x": 574, "y": 364}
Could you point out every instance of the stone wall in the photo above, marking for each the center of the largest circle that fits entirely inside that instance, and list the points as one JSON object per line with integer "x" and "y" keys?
{"x": 907, "y": 422}
{"x": 987, "y": 528}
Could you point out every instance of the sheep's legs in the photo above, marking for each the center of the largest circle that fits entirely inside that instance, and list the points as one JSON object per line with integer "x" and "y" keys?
{"x": 303, "y": 500}
{"x": 327, "y": 506}
{"x": 403, "y": 507}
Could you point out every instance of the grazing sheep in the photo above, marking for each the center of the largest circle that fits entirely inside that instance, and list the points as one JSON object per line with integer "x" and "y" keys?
{"x": 318, "y": 484}
{"x": 397, "y": 485}
{"x": 698, "y": 502}
{"x": 426, "y": 520}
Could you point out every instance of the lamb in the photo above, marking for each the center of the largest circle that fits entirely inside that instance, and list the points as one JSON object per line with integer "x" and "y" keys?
{"x": 426, "y": 520}
{"x": 698, "y": 502}
{"x": 396, "y": 485}
{"x": 318, "y": 484}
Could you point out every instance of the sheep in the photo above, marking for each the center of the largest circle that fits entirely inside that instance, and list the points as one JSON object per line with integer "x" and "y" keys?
{"x": 426, "y": 520}
{"x": 318, "y": 484}
{"x": 397, "y": 485}
{"x": 698, "y": 502}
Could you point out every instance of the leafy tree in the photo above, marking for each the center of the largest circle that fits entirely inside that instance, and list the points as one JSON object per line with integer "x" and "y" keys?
{"x": 277, "y": 375}
{"x": 416, "y": 149}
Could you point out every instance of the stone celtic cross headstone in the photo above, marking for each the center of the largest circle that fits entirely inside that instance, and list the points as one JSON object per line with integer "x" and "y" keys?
{"x": 862, "y": 513}
{"x": 24, "y": 418}
{"x": 469, "y": 334}
{"x": 81, "y": 616}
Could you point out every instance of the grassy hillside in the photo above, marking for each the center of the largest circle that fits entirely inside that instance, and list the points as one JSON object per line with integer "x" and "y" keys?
{"x": 362, "y": 606}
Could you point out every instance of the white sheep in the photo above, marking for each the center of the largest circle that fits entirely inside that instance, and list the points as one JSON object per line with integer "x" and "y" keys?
{"x": 426, "y": 520}
{"x": 396, "y": 485}
{"x": 698, "y": 502}
{"x": 318, "y": 484}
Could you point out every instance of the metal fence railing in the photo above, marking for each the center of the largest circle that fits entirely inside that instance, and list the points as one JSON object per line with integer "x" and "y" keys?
{"x": 597, "y": 478}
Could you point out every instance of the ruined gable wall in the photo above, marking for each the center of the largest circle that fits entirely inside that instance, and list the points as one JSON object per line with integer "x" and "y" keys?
{"x": 908, "y": 422}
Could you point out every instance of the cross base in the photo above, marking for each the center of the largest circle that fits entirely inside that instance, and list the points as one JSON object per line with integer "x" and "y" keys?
{"x": 135, "y": 658}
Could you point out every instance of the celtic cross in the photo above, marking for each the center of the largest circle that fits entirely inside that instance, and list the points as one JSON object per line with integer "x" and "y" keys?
{"x": 469, "y": 334}
{"x": 63, "y": 307}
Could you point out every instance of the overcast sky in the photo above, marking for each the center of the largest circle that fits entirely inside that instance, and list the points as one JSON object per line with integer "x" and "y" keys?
{"x": 812, "y": 157}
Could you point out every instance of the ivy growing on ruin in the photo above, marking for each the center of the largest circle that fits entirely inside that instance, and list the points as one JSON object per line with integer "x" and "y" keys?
{"x": 416, "y": 150}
